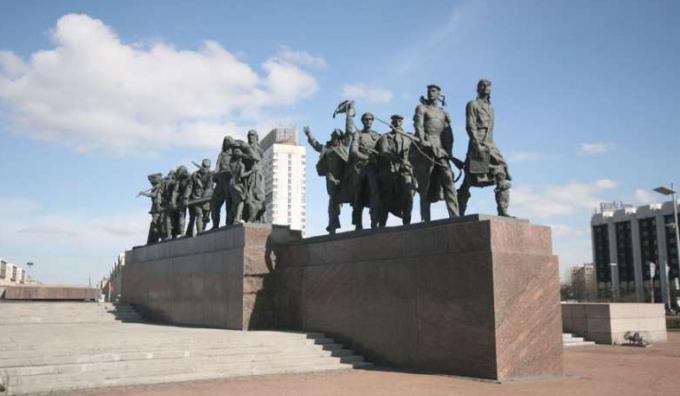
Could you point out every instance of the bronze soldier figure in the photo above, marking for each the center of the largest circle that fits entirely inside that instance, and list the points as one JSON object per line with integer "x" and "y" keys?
{"x": 222, "y": 177}
{"x": 395, "y": 173}
{"x": 332, "y": 162}
{"x": 364, "y": 172}
{"x": 238, "y": 184}
{"x": 179, "y": 201}
{"x": 431, "y": 163}
{"x": 155, "y": 193}
{"x": 167, "y": 218}
{"x": 199, "y": 193}
{"x": 484, "y": 165}
{"x": 255, "y": 199}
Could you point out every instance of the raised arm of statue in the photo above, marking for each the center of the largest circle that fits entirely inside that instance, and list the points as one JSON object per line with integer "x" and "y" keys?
{"x": 312, "y": 142}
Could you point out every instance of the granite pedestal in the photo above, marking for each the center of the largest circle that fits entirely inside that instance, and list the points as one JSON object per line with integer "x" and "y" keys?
{"x": 216, "y": 279}
{"x": 475, "y": 296}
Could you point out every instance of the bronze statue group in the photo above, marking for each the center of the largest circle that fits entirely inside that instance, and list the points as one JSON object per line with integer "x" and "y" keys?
{"x": 237, "y": 183}
{"x": 366, "y": 169}
{"x": 383, "y": 172}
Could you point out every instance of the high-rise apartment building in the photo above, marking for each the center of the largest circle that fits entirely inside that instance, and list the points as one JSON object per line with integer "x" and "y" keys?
{"x": 284, "y": 172}
{"x": 626, "y": 241}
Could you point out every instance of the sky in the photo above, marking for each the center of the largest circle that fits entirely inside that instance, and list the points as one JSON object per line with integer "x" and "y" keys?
{"x": 96, "y": 95}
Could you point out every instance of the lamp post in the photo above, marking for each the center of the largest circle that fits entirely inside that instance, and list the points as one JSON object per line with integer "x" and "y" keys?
{"x": 615, "y": 281}
{"x": 663, "y": 190}
{"x": 29, "y": 265}
{"x": 652, "y": 267}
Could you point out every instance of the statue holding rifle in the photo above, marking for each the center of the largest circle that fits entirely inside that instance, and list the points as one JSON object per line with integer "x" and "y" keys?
{"x": 431, "y": 163}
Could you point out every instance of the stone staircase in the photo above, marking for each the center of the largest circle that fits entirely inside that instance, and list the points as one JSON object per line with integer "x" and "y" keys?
{"x": 61, "y": 347}
{"x": 569, "y": 340}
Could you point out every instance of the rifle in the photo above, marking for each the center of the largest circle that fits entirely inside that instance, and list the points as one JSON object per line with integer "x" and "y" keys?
{"x": 418, "y": 143}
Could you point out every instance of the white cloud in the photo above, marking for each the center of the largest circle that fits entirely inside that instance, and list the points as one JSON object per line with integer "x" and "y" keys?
{"x": 645, "y": 197}
{"x": 562, "y": 230}
{"x": 525, "y": 156}
{"x": 558, "y": 200}
{"x": 301, "y": 58}
{"x": 370, "y": 94}
{"x": 595, "y": 148}
{"x": 92, "y": 91}
{"x": 66, "y": 245}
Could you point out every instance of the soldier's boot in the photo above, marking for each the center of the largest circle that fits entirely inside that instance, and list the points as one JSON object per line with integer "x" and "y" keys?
{"x": 356, "y": 217}
{"x": 215, "y": 217}
{"x": 463, "y": 198}
{"x": 502, "y": 191}
{"x": 199, "y": 224}
{"x": 424, "y": 210}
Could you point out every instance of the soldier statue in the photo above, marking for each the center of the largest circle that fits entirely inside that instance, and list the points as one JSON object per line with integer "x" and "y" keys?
{"x": 155, "y": 193}
{"x": 333, "y": 157}
{"x": 255, "y": 199}
{"x": 431, "y": 163}
{"x": 167, "y": 218}
{"x": 222, "y": 176}
{"x": 363, "y": 170}
{"x": 199, "y": 193}
{"x": 238, "y": 184}
{"x": 179, "y": 201}
{"x": 395, "y": 173}
{"x": 484, "y": 164}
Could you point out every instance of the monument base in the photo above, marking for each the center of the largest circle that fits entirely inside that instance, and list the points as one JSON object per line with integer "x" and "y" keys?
{"x": 473, "y": 296}
{"x": 215, "y": 279}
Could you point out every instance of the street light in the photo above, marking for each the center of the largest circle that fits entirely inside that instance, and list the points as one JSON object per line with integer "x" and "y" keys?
{"x": 29, "y": 265}
{"x": 663, "y": 190}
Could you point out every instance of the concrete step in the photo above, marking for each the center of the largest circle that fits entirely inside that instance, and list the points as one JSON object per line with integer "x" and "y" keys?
{"x": 149, "y": 345}
{"x": 115, "y": 356}
{"x": 213, "y": 373}
{"x": 63, "y": 347}
{"x": 172, "y": 362}
{"x": 569, "y": 340}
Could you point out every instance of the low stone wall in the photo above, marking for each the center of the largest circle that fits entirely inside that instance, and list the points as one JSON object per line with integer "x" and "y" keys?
{"x": 475, "y": 296}
{"x": 216, "y": 279}
{"x": 606, "y": 323}
{"x": 45, "y": 292}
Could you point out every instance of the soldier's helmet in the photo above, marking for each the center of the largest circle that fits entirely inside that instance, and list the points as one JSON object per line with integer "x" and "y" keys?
{"x": 206, "y": 163}
{"x": 435, "y": 86}
{"x": 367, "y": 116}
{"x": 337, "y": 133}
{"x": 396, "y": 117}
{"x": 182, "y": 171}
{"x": 251, "y": 133}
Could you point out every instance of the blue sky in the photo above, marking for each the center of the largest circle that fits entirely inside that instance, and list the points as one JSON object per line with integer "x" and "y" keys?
{"x": 96, "y": 95}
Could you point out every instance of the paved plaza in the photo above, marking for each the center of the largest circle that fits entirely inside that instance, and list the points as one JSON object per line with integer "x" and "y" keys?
{"x": 595, "y": 370}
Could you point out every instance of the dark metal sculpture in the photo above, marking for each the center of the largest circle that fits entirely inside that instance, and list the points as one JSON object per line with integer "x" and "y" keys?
{"x": 395, "y": 173}
{"x": 199, "y": 194}
{"x": 484, "y": 164}
{"x": 431, "y": 164}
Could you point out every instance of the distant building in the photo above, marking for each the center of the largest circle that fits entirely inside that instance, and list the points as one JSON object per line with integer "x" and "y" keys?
{"x": 12, "y": 274}
{"x": 625, "y": 241}
{"x": 583, "y": 283}
{"x": 112, "y": 286}
{"x": 284, "y": 172}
